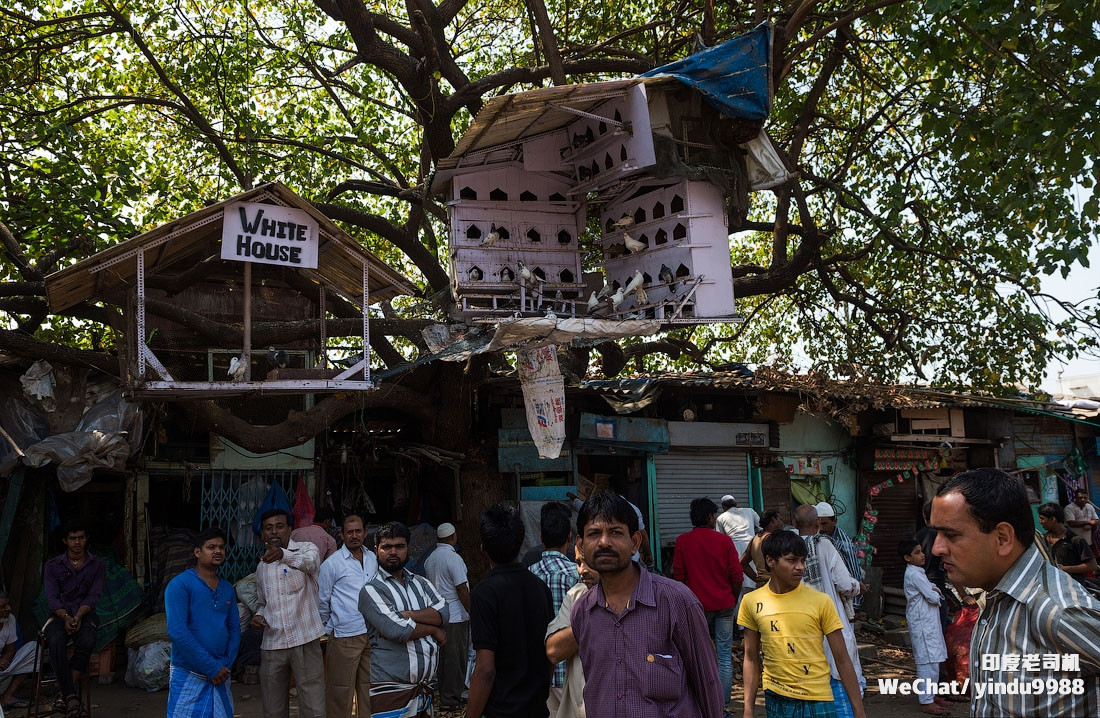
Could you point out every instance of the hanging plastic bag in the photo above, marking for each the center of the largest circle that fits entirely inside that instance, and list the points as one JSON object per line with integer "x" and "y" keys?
{"x": 276, "y": 499}
{"x": 303, "y": 505}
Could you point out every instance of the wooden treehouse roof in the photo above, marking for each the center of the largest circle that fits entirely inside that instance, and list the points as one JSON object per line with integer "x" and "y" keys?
{"x": 179, "y": 244}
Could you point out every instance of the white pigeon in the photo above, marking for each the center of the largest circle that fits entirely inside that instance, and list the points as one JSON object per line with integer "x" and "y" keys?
{"x": 604, "y": 291}
{"x": 237, "y": 367}
{"x": 550, "y": 312}
{"x": 632, "y": 244}
{"x": 593, "y": 301}
{"x": 526, "y": 273}
{"x": 507, "y": 275}
{"x": 641, "y": 295}
{"x": 624, "y": 222}
{"x": 635, "y": 281}
{"x": 490, "y": 238}
{"x": 474, "y": 274}
{"x": 617, "y": 298}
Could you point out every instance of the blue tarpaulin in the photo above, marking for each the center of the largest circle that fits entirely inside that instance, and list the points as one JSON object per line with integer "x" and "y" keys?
{"x": 734, "y": 77}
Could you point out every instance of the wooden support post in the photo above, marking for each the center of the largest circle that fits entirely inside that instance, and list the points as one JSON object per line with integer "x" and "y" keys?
{"x": 872, "y": 601}
{"x": 247, "y": 321}
{"x": 141, "y": 512}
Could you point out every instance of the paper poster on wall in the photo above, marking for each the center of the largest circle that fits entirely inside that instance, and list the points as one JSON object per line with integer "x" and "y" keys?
{"x": 543, "y": 399}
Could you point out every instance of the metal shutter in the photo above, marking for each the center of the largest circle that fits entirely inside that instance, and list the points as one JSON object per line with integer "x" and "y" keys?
{"x": 683, "y": 475}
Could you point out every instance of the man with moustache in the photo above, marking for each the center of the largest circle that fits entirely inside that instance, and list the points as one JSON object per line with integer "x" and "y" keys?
{"x": 205, "y": 630}
{"x": 986, "y": 537}
{"x": 405, "y": 616}
{"x": 286, "y": 589}
{"x": 647, "y": 633}
{"x": 561, "y": 644}
{"x": 342, "y": 576}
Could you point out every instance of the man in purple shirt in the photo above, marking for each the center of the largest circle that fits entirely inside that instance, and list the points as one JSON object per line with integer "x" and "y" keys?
{"x": 646, "y": 632}
{"x": 73, "y": 582}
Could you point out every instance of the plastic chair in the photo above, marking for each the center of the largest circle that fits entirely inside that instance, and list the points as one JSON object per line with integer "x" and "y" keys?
{"x": 39, "y": 677}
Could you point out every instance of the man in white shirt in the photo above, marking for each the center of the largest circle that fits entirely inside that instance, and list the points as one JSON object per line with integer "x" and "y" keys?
{"x": 16, "y": 664}
{"x": 286, "y": 586}
{"x": 342, "y": 577}
{"x": 1081, "y": 517}
{"x": 737, "y": 523}
{"x": 447, "y": 572}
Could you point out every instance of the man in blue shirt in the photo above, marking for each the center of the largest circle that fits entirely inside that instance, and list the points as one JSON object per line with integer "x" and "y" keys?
{"x": 205, "y": 629}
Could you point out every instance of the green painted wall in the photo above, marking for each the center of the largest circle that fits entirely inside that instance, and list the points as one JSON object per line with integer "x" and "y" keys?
{"x": 817, "y": 435}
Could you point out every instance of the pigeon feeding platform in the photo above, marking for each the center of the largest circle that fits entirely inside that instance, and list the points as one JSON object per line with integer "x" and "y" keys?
{"x": 208, "y": 258}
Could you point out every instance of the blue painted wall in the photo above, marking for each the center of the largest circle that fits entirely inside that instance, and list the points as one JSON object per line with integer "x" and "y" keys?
{"x": 817, "y": 435}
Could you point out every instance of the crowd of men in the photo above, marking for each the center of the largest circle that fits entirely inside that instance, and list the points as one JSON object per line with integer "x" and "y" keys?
{"x": 588, "y": 630}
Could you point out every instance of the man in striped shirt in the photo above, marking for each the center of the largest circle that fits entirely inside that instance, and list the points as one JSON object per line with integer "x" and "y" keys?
{"x": 405, "y": 616}
{"x": 1038, "y": 627}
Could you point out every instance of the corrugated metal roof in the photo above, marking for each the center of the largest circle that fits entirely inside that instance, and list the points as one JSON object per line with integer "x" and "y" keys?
{"x": 512, "y": 118}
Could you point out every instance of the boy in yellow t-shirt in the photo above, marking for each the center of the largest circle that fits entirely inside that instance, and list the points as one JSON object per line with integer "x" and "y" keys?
{"x": 786, "y": 621}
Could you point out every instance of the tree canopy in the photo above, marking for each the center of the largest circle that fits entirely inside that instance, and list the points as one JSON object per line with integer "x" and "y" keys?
{"x": 945, "y": 152}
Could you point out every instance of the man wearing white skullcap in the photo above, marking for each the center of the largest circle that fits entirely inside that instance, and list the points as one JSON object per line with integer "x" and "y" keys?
{"x": 826, "y": 520}
{"x": 447, "y": 571}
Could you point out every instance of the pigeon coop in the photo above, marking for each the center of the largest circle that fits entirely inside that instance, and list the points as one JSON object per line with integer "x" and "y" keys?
{"x": 506, "y": 220}
{"x": 676, "y": 236}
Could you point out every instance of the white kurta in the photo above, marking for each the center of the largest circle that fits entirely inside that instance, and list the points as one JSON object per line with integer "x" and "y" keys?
{"x": 923, "y": 614}
{"x": 837, "y": 582}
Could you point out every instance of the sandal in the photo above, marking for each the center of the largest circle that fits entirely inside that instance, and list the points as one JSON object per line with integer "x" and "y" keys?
{"x": 73, "y": 709}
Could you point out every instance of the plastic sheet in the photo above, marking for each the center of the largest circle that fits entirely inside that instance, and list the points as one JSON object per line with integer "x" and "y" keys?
{"x": 543, "y": 398}
{"x": 38, "y": 383}
{"x": 78, "y": 454}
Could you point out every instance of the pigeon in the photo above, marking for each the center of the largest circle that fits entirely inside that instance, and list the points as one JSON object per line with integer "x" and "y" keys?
{"x": 475, "y": 274}
{"x": 278, "y": 358}
{"x": 593, "y": 301}
{"x": 237, "y": 367}
{"x": 507, "y": 275}
{"x": 616, "y": 249}
{"x": 347, "y": 362}
{"x": 632, "y": 244}
{"x": 550, "y": 312}
{"x": 490, "y": 238}
{"x": 617, "y": 298}
{"x": 604, "y": 291}
{"x": 665, "y": 275}
{"x": 635, "y": 282}
{"x": 623, "y": 222}
{"x": 559, "y": 299}
{"x": 641, "y": 295}
{"x": 526, "y": 274}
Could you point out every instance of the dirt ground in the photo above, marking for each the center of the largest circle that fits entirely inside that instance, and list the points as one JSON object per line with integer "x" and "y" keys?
{"x": 118, "y": 699}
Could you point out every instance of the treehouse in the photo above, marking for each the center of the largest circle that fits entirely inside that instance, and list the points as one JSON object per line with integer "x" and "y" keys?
{"x": 642, "y": 179}
{"x": 234, "y": 299}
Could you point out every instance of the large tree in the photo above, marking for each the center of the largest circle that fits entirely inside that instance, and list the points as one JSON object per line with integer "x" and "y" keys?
{"x": 944, "y": 153}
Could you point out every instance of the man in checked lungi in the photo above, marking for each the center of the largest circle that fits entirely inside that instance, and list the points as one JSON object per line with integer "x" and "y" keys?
{"x": 205, "y": 630}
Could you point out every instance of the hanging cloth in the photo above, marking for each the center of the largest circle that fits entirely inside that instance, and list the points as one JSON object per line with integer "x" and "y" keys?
{"x": 303, "y": 505}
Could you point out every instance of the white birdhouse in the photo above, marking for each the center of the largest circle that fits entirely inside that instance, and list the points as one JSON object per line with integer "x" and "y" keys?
{"x": 504, "y": 218}
{"x": 676, "y": 229}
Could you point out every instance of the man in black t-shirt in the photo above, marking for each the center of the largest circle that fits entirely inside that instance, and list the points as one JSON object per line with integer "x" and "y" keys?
{"x": 1068, "y": 552}
{"x": 509, "y": 611}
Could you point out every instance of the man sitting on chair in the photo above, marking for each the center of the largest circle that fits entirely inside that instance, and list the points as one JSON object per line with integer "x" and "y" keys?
{"x": 16, "y": 664}
{"x": 73, "y": 583}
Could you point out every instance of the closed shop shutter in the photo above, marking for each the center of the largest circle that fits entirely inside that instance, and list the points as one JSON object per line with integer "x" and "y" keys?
{"x": 683, "y": 475}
